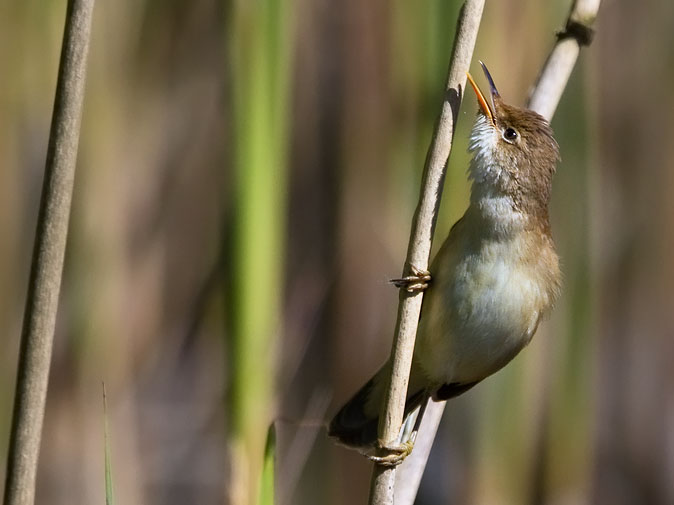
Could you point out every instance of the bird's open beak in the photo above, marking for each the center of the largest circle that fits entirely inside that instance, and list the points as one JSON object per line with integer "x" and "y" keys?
{"x": 486, "y": 106}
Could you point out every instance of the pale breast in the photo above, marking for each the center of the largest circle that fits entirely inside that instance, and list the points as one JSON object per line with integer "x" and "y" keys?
{"x": 484, "y": 307}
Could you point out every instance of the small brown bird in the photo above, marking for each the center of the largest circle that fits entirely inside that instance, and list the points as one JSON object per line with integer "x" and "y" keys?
{"x": 494, "y": 278}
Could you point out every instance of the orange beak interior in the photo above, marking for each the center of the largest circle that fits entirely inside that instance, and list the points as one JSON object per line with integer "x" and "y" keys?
{"x": 482, "y": 102}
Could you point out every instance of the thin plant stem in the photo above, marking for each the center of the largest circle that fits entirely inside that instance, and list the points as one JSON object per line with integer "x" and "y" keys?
{"x": 419, "y": 250}
{"x": 47, "y": 263}
{"x": 556, "y": 71}
{"x": 544, "y": 98}
{"x": 109, "y": 491}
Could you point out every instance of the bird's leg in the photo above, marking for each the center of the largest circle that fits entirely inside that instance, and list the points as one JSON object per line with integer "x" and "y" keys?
{"x": 414, "y": 283}
{"x": 392, "y": 454}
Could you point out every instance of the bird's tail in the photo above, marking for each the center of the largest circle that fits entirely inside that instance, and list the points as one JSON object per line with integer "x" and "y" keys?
{"x": 356, "y": 424}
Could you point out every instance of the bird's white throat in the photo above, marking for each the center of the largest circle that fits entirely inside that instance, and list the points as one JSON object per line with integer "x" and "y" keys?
{"x": 487, "y": 197}
{"x": 483, "y": 168}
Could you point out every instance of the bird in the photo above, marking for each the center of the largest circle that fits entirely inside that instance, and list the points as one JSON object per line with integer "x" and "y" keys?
{"x": 493, "y": 280}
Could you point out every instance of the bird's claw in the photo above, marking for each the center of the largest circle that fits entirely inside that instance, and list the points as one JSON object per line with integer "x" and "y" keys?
{"x": 414, "y": 283}
{"x": 393, "y": 454}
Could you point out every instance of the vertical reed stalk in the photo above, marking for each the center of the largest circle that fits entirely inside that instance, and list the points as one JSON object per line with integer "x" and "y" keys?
{"x": 47, "y": 264}
{"x": 419, "y": 250}
{"x": 261, "y": 69}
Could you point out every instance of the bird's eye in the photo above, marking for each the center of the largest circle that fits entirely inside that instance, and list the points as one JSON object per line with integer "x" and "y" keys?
{"x": 510, "y": 134}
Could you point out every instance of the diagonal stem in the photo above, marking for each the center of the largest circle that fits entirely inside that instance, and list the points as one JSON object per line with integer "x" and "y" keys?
{"x": 557, "y": 69}
{"x": 47, "y": 264}
{"x": 419, "y": 250}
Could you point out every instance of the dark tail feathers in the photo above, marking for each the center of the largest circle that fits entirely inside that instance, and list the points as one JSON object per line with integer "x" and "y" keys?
{"x": 354, "y": 427}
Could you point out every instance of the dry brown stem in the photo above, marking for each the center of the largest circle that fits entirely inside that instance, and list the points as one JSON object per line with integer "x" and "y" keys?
{"x": 419, "y": 250}
{"x": 557, "y": 69}
{"x": 47, "y": 264}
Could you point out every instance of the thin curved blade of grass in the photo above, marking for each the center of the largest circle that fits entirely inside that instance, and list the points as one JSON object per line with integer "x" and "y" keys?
{"x": 268, "y": 469}
{"x": 109, "y": 494}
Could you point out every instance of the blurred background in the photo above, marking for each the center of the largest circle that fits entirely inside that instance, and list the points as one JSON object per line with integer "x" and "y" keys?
{"x": 246, "y": 180}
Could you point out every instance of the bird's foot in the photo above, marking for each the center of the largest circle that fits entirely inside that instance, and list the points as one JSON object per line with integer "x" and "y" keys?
{"x": 393, "y": 454}
{"x": 414, "y": 283}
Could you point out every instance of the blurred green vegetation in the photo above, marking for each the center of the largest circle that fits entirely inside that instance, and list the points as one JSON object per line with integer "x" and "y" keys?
{"x": 260, "y": 68}
{"x": 268, "y": 475}
{"x": 246, "y": 181}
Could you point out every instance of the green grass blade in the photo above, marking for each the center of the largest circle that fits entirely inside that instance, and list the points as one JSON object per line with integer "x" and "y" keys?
{"x": 268, "y": 469}
{"x": 109, "y": 495}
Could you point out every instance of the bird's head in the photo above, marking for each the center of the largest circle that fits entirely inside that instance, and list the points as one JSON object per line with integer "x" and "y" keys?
{"x": 514, "y": 151}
